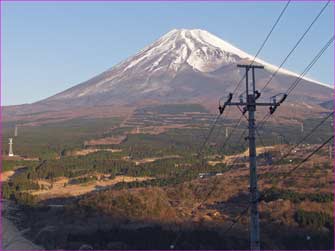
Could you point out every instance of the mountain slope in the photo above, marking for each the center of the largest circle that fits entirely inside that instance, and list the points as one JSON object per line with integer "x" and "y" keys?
{"x": 183, "y": 66}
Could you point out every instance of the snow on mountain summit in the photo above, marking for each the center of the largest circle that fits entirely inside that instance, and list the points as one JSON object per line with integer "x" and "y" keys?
{"x": 197, "y": 48}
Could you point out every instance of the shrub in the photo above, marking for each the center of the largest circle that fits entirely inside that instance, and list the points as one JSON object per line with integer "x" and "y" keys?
{"x": 314, "y": 219}
{"x": 275, "y": 194}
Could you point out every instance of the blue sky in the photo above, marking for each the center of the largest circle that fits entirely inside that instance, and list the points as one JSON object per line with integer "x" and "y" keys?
{"x": 49, "y": 47}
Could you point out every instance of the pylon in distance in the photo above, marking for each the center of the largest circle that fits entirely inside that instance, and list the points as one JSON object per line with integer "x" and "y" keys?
{"x": 10, "y": 152}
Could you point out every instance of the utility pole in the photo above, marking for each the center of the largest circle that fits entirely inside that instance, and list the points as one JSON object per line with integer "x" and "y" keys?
{"x": 331, "y": 144}
{"x": 330, "y": 151}
{"x": 250, "y": 106}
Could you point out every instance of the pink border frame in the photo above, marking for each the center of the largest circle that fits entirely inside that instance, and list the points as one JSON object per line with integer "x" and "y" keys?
{"x": 208, "y": 1}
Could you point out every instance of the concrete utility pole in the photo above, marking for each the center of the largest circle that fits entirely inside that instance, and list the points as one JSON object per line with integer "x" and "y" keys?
{"x": 331, "y": 144}
{"x": 330, "y": 150}
{"x": 15, "y": 131}
{"x": 10, "y": 153}
{"x": 250, "y": 106}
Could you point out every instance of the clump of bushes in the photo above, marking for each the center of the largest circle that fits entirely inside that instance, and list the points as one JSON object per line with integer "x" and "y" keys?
{"x": 275, "y": 194}
{"x": 82, "y": 180}
{"x": 139, "y": 204}
{"x": 24, "y": 198}
{"x": 8, "y": 165}
{"x": 314, "y": 219}
{"x": 17, "y": 189}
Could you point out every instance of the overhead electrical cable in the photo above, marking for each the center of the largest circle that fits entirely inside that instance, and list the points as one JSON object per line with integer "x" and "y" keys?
{"x": 296, "y": 44}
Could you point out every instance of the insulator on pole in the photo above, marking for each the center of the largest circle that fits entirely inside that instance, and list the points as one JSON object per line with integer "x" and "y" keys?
{"x": 283, "y": 98}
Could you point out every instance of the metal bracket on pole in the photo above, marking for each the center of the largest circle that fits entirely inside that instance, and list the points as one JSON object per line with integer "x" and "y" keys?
{"x": 273, "y": 108}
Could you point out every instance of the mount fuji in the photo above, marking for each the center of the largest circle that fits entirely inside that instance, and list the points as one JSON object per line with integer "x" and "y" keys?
{"x": 183, "y": 66}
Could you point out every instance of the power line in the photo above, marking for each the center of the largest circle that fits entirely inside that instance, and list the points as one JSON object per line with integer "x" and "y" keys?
{"x": 307, "y": 68}
{"x": 204, "y": 200}
{"x": 216, "y": 119}
{"x": 211, "y": 129}
{"x": 200, "y": 153}
{"x": 296, "y": 45}
{"x": 232, "y": 132}
{"x": 311, "y": 64}
{"x": 305, "y": 137}
{"x": 289, "y": 91}
{"x": 264, "y": 42}
{"x": 284, "y": 138}
{"x": 269, "y": 115}
{"x": 235, "y": 221}
{"x": 259, "y": 136}
{"x": 300, "y": 77}
{"x": 174, "y": 243}
{"x": 250, "y": 106}
{"x": 308, "y": 157}
{"x": 285, "y": 176}
{"x": 201, "y": 149}
{"x": 223, "y": 122}
{"x": 262, "y": 46}
{"x": 231, "y": 167}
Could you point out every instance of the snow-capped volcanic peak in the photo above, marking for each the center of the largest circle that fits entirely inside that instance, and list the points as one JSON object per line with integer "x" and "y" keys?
{"x": 175, "y": 63}
{"x": 197, "y": 48}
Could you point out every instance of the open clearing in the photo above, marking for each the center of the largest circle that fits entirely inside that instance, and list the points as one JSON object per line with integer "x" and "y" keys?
{"x": 84, "y": 152}
{"x": 6, "y": 175}
{"x": 153, "y": 159}
{"x": 61, "y": 188}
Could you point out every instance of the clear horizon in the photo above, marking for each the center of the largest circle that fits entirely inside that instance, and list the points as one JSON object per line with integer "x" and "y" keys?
{"x": 50, "y": 47}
